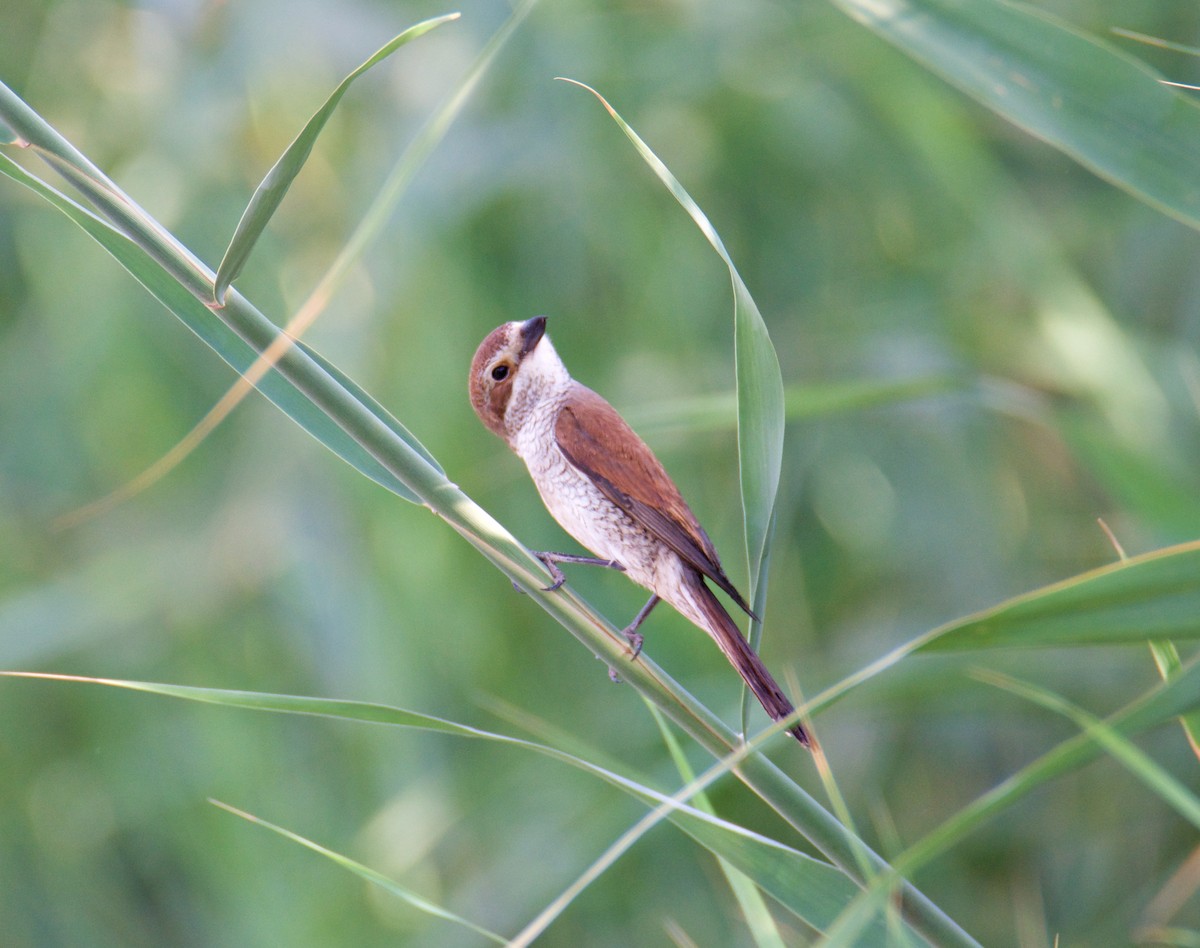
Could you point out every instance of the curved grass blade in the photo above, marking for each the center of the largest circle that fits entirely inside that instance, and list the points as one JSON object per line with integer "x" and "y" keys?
{"x": 369, "y": 227}
{"x": 760, "y": 402}
{"x": 758, "y": 917}
{"x": 1103, "y": 108}
{"x": 1169, "y": 664}
{"x": 1184, "y": 802}
{"x": 814, "y": 891}
{"x": 225, "y": 342}
{"x": 1152, "y": 596}
{"x": 735, "y": 758}
{"x": 1155, "y": 41}
{"x": 1164, "y": 702}
{"x": 271, "y": 191}
{"x": 370, "y": 875}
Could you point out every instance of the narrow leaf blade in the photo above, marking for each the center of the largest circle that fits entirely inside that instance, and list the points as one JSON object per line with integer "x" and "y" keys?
{"x": 368, "y": 874}
{"x": 226, "y": 343}
{"x": 759, "y": 382}
{"x": 1140, "y": 764}
{"x": 813, "y": 891}
{"x": 1153, "y": 596}
{"x": 271, "y": 191}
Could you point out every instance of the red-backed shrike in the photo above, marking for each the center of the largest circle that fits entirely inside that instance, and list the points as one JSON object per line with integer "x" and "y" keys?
{"x": 606, "y": 488}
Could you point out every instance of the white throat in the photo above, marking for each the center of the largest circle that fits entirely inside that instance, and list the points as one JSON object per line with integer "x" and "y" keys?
{"x": 541, "y": 384}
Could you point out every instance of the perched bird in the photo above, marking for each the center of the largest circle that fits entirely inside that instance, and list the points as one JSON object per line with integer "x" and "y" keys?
{"x": 606, "y": 488}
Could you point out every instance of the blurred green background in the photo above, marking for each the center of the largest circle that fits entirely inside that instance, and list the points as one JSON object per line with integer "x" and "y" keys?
{"x": 889, "y": 230}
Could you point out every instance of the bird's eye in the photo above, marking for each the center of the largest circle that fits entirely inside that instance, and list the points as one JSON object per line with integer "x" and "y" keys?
{"x": 500, "y": 372}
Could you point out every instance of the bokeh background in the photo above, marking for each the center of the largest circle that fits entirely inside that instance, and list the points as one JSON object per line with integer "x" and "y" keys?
{"x": 889, "y": 229}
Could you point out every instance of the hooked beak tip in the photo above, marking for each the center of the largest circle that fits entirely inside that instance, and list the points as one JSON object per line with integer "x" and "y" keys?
{"x": 532, "y": 331}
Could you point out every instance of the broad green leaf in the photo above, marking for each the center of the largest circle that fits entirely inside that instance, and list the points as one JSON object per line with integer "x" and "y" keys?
{"x": 227, "y": 344}
{"x": 1153, "y": 596}
{"x": 271, "y": 191}
{"x": 1100, "y": 106}
{"x": 812, "y": 890}
{"x": 760, "y": 430}
{"x": 370, "y": 875}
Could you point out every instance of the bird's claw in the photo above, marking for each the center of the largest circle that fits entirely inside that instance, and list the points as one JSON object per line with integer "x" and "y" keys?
{"x": 557, "y": 576}
{"x": 636, "y": 640}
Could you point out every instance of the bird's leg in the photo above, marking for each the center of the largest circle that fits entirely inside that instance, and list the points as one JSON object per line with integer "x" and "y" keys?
{"x": 558, "y": 577}
{"x": 633, "y": 636}
{"x": 631, "y": 632}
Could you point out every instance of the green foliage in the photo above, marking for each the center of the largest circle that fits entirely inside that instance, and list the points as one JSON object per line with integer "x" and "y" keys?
{"x": 977, "y": 349}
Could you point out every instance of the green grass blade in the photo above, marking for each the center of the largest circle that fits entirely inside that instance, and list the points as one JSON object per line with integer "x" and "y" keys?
{"x": 1153, "y": 596}
{"x": 1101, "y": 107}
{"x": 1165, "y": 701}
{"x": 760, "y": 433}
{"x": 368, "y": 402}
{"x": 274, "y": 186}
{"x": 370, "y": 875}
{"x": 812, "y": 890}
{"x": 758, "y": 917}
{"x": 1139, "y": 763}
{"x": 417, "y": 153}
{"x": 1156, "y": 41}
{"x": 946, "y": 931}
{"x": 760, "y": 402}
{"x": 227, "y": 343}
{"x": 1169, "y": 664}
{"x": 760, "y": 398}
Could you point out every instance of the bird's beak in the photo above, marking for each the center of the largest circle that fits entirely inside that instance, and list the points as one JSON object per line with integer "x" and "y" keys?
{"x": 532, "y": 331}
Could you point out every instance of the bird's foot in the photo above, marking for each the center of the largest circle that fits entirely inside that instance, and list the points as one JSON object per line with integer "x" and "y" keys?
{"x": 557, "y": 576}
{"x": 636, "y": 640}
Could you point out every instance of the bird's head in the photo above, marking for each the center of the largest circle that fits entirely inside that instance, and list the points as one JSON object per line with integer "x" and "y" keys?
{"x": 514, "y": 369}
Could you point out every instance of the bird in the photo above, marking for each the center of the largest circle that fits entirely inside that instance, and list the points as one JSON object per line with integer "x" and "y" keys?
{"x": 607, "y": 489}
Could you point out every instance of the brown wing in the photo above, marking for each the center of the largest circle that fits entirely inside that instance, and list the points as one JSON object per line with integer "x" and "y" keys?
{"x": 596, "y": 440}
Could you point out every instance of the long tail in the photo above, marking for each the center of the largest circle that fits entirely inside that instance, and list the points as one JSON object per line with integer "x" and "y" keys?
{"x": 729, "y": 638}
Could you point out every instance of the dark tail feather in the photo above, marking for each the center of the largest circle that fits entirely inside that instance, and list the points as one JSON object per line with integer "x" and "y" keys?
{"x": 729, "y": 637}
